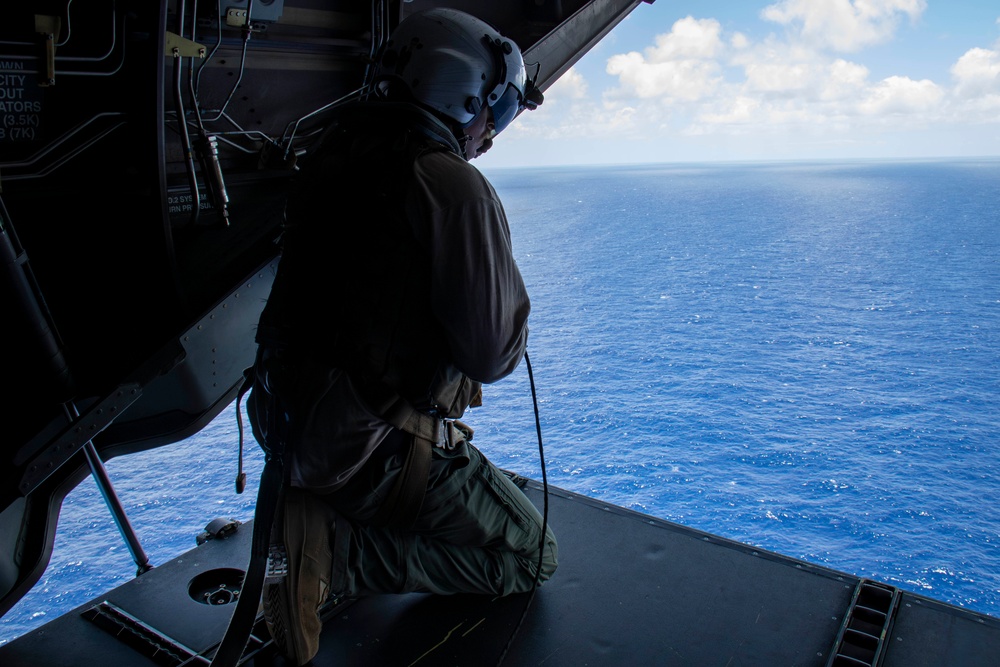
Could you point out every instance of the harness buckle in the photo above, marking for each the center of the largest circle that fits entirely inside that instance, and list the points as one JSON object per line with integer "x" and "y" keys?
{"x": 453, "y": 433}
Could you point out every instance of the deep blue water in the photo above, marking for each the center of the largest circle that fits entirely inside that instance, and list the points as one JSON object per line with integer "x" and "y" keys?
{"x": 800, "y": 356}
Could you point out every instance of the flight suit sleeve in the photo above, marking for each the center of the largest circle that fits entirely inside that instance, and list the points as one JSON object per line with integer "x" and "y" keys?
{"x": 477, "y": 292}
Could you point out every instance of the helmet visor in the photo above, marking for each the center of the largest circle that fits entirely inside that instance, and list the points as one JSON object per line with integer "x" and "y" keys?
{"x": 507, "y": 97}
{"x": 506, "y": 108}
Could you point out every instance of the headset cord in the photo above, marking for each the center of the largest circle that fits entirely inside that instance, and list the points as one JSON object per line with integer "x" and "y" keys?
{"x": 545, "y": 513}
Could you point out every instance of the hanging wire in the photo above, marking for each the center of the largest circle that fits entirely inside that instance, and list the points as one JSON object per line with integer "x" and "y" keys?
{"x": 545, "y": 514}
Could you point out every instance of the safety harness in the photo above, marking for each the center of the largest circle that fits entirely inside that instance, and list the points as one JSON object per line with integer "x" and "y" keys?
{"x": 400, "y": 508}
{"x": 402, "y": 504}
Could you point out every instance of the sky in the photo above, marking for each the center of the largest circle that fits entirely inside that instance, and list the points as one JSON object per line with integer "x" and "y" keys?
{"x": 738, "y": 80}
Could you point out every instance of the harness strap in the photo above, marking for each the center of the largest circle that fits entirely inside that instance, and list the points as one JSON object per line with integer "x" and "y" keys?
{"x": 401, "y": 507}
{"x": 241, "y": 624}
{"x": 270, "y": 494}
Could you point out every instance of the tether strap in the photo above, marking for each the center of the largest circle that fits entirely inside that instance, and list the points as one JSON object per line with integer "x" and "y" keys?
{"x": 269, "y": 495}
{"x": 241, "y": 624}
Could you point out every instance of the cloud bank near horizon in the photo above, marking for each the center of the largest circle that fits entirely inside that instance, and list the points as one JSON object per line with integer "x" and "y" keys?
{"x": 807, "y": 78}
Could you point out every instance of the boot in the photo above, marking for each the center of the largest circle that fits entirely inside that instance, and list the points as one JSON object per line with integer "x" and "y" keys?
{"x": 292, "y": 602}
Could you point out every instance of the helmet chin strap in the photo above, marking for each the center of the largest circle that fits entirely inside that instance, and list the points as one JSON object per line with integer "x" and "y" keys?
{"x": 461, "y": 131}
{"x": 483, "y": 147}
{"x": 462, "y": 141}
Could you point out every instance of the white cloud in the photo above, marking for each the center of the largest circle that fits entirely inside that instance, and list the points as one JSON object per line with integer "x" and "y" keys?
{"x": 571, "y": 85}
{"x": 741, "y": 110}
{"x": 680, "y": 66}
{"x": 977, "y": 73}
{"x": 689, "y": 38}
{"x": 619, "y": 118}
{"x": 713, "y": 83}
{"x": 901, "y": 95}
{"x": 977, "y": 85}
{"x": 687, "y": 80}
{"x": 773, "y": 77}
{"x": 844, "y": 80}
{"x": 843, "y": 25}
{"x": 698, "y": 82}
{"x": 739, "y": 41}
{"x": 778, "y": 68}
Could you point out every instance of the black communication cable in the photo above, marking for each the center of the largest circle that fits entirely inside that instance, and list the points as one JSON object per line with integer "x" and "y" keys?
{"x": 545, "y": 513}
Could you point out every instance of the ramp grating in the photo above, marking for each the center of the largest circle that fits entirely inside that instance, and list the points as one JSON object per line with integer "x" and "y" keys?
{"x": 861, "y": 640}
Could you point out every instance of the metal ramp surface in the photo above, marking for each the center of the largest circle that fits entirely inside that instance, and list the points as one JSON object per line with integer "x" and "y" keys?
{"x": 630, "y": 589}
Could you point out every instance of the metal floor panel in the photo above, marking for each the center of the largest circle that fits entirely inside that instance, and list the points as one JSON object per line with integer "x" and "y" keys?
{"x": 630, "y": 590}
{"x": 927, "y": 632}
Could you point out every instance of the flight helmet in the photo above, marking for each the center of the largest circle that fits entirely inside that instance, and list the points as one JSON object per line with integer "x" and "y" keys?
{"x": 454, "y": 64}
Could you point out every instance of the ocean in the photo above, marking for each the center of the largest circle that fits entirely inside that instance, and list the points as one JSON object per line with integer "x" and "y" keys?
{"x": 804, "y": 357}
